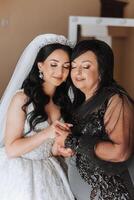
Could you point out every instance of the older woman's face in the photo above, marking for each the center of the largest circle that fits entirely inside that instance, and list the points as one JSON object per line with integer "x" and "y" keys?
{"x": 84, "y": 72}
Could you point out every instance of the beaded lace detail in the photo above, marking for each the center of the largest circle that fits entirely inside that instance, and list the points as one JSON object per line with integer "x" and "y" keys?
{"x": 102, "y": 176}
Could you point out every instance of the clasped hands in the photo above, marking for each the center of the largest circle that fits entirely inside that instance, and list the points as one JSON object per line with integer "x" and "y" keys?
{"x": 62, "y": 130}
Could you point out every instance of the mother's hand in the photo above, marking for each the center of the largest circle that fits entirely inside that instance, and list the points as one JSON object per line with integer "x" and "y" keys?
{"x": 62, "y": 128}
{"x": 65, "y": 152}
{"x": 58, "y": 148}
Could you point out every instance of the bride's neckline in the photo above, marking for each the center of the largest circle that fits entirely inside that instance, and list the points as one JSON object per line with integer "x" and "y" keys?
{"x": 49, "y": 121}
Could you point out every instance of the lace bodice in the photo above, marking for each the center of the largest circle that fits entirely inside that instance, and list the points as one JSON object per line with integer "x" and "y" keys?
{"x": 44, "y": 150}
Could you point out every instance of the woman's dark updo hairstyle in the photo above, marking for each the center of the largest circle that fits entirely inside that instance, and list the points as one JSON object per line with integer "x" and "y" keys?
{"x": 32, "y": 86}
{"x": 105, "y": 59}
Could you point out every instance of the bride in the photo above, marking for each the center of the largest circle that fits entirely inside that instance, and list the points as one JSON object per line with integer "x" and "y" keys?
{"x": 30, "y": 118}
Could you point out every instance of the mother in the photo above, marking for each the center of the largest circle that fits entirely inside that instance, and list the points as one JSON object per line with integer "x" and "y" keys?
{"x": 102, "y": 133}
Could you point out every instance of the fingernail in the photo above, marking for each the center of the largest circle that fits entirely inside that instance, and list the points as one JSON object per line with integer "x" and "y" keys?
{"x": 70, "y": 124}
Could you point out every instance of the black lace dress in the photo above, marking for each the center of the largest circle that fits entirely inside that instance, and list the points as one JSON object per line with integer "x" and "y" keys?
{"x": 107, "y": 180}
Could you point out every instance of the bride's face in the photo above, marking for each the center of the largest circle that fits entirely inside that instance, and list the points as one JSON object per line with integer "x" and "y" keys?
{"x": 56, "y": 67}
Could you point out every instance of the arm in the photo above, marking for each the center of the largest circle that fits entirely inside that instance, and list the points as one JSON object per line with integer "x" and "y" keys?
{"x": 118, "y": 122}
{"x": 15, "y": 143}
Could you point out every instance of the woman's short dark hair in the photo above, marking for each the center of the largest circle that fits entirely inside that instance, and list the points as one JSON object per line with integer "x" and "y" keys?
{"x": 104, "y": 56}
{"x": 32, "y": 86}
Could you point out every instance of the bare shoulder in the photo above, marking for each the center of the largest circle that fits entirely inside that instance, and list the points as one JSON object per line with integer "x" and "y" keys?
{"x": 20, "y": 98}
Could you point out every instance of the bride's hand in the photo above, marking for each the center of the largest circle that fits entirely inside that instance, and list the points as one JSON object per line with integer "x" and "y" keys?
{"x": 58, "y": 128}
{"x": 62, "y": 128}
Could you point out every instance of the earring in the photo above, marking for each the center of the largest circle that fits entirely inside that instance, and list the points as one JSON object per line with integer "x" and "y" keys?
{"x": 41, "y": 76}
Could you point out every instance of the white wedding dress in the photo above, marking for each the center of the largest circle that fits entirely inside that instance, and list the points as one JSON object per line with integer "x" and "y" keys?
{"x": 36, "y": 175}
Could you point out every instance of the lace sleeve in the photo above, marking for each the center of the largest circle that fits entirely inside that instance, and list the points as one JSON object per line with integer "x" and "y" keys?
{"x": 118, "y": 122}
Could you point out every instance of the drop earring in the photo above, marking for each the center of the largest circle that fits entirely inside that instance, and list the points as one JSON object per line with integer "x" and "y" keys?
{"x": 41, "y": 76}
